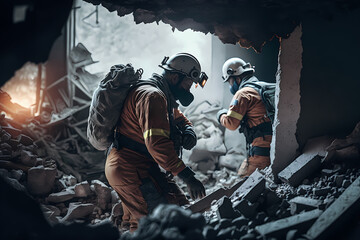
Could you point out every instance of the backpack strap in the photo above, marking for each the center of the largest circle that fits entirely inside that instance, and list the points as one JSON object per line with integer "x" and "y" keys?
{"x": 121, "y": 141}
{"x": 260, "y": 151}
{"x": 260, "y": 130}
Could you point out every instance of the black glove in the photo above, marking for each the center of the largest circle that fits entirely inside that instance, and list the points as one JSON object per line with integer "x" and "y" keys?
{"x": 177, "y": 140}
{"x": 188, "y": 138}
{"x": 195, "y": 187}
{"x": 221, "y": 112}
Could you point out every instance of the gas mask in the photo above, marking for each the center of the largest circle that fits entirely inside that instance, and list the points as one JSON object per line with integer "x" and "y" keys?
{"x": 234, "y": 88}
{"x": 185, "y": 97}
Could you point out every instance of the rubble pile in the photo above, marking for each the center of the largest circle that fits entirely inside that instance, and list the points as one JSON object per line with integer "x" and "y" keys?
{"x": 318, "y": 195}
{"x": 32, "y": 166}
{"x": 261, "y": 209}
{"x": 35, "y": 167}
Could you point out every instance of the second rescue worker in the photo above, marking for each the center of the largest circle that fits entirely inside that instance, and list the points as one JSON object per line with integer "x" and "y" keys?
{"x": 247, "y": 110}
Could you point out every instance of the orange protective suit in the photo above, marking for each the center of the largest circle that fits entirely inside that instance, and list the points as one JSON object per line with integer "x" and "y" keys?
{"x": 136, "y": 177}
{"x": 248, "y": 102}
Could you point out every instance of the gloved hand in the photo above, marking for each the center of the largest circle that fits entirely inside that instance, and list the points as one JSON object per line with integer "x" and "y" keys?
{"x": 189, "y": 138}
{"x": 221, "y": 112}
{"x": 195, "y": 187}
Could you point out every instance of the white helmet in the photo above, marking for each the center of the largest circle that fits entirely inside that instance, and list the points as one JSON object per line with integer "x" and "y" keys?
{"x": 186, "y": 64}
{"x": 235, "y": 67}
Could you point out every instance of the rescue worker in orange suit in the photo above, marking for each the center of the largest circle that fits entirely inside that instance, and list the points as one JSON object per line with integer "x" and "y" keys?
{"x": 247, "y": 111}
{"x": 149, "y": 122}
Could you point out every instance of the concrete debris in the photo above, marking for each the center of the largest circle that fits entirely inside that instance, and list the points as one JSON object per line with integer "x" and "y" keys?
{"x": 299, "y": 204}
{"x": 205, "y": 203}
{"x": 169, "y": 222}
{"x": 62, "y": 196}
{"x": 307, "y": 163}
{"x": 17, "y": 174}
{"x": 339, "y": 212}
{"x": 251, "y": 188}
{"x": 225, "y": 209}
{"x": 41, "y": 180}
{"x": 68, "y": 180}
{"x": 78, "y": 210}
{"x": 28, "y": 158}
{"x": 300, "y": 168}
{"x": 103, "y": 193}
{"x": 51, "y": 213}
{"x": 279, "y": 228}
{"x": 114, "y": 197}
{"x": 82, "y": 189}
{"x": 246, "y": 208}
{"x": 15, "y": 184}
{"x": 117, "y": 210}
{"x": 25, "y": 140}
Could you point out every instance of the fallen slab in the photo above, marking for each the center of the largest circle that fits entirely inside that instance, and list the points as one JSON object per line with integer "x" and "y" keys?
{"x": 300, "y": 168}
{"x": 251, "y": 188}
{"x": 205, "y": 203}
{"x": 307, "y": 163}
{"x": 339, "y": 213}
{"x": 279, "y": 228}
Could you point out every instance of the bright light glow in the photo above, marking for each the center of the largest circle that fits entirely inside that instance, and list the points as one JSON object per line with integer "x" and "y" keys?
{"x": 22, "y": 87}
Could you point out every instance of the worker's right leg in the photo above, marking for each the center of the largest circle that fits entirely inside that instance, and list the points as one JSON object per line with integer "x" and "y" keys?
{"x": 135, "y": 204}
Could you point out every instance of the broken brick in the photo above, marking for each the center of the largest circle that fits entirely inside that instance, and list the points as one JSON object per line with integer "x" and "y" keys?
{"x": 225, "y": 209}
{"x": 339, "y": 180}
{"x": 246, "y": 208}
{"x": 299, "y": 204}
{"x": 225, "y": 233}
{"x": 25, "y": 140}
{"x": 209, "y": 233}
{"x": 240, "y": 221}
{"x": 321, "y": 191}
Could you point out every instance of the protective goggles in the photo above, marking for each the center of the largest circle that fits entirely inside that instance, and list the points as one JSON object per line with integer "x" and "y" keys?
{"x": 201, "y": 80}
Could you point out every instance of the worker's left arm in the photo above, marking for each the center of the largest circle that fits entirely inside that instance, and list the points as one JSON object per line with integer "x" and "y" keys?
{"x": 239, "y": 105}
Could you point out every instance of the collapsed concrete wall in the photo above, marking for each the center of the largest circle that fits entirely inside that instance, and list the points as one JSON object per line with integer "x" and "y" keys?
{"x": 284, "y": 144}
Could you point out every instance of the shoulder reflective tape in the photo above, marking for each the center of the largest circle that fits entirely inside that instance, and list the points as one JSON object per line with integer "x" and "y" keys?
{"x": 156, "y": 132}
{"x": 234, "y": 115}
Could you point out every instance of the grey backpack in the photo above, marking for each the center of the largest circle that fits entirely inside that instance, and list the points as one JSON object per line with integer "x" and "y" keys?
{"x": 267, "y": 93}
{"x": 107, "y": 103}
